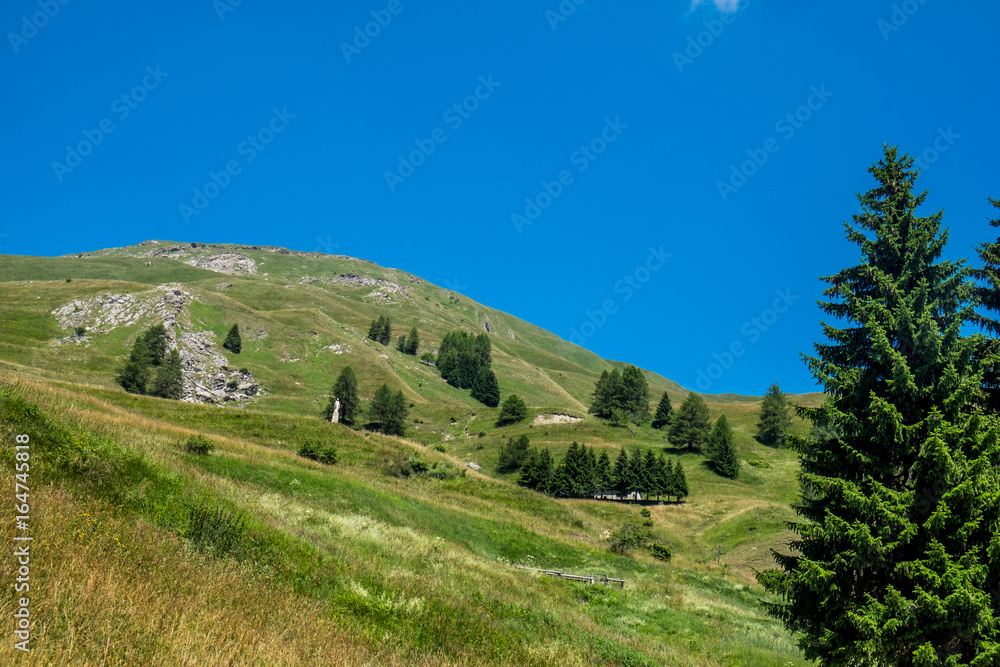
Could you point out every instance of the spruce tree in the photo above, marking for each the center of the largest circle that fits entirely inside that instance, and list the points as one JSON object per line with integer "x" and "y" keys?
{"x": 680, "y": 486}
{"x": 134, "y": 376}
{"x": 664, "y": 413}
{"x": 895, "y": 562}
{"x": 690, "y": 425}
{"x": 603, "y": 472}
{"x": 387, "y": 412}
{"x": 233, "y": 342}
{"x": 401, "y": 344}
{"x": 514, "y": 454}
{"x": 650, "y": 476}
{"x": 634, "y": 396}
{"x": 412, "y": 343}
{"x": 345, "y": 389}
{"x": 988, "y": 294}
{"x": 664, "y": 476}
{"x": 607, "y": 394}
{"x": 722, "y": 455}
{"x": 485, "y": 388}
{"x": 168, "y": 381}
{"x": 620, "y": 474}
{"x": 157, "y": 342}
{"x": 774, "y": 420}
{"x": 636, "y": 473}
{"x": 512, "y": 410}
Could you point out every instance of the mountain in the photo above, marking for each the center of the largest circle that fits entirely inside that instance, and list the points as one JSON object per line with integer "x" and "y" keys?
{"x": 375, "y": 564}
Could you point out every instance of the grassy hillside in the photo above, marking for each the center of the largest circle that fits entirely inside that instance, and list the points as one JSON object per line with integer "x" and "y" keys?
{"x": 347, "y": 564}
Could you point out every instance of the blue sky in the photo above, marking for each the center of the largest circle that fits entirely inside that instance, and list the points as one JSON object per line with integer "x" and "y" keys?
{"x": 618, "y": 120}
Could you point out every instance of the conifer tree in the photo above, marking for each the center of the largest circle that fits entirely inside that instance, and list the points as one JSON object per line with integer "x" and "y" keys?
{"x": 664, "y": 476}
{"x": 514, "y": 454}
{"x": 168, "y": 381}
{"x": 234, "y": 342}
{"x": 895, "y": 562}
{"x": 603, "y": 472}
{"x": 621, "y": 472}
{"x": 988, "y": 294}
{"x": 537, "y": 474}
{"x": 512, "y": 410}
{"x": 634, "y": 397}
{"x": 636, "y": 474}
{"x": 774, "y": 420}
{"x": 387, "y": 412}
{"x": 485, "y": 388}
{"x": 680, "y": 488}
{"x": 664, "y": 413}
{"x": 345, "y": 389}
{"x": 134, "y": 376}
{"x": 157, "y": 343}
{"x": 650, "y": 476}
{"x": 412, "y": 343}
{"x": 401, "y": 344}
{"x": 588, "y": 466}
{"x": 607, "y": 394}
{"x": 722, "y": 455}
{"x": 690, "y": 425}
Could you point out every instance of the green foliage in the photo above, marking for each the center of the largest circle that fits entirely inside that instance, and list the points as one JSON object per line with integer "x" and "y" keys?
{"x": 168, "y": 381}
{"x": 199, "y": 444}
{"x": 461, "y": 356}
{"x": 664, "y": 413}
{"x": 626, "y": 392}
{"x": 988, "y": 294}
{"x": 412, "y": 343}
{"x": 486, "y": 389}
{"x": 722, "y": 455}
{"x": 380, "y": 330}
{"x": 401, "y": 344}
{"x": 514, "y": 454}
{"x": 512, "y": 411}
{"x": 897, "y": 537}
{"x": 345, "y": 389}
{"x": 321, "y": 453}
{"x": 387, "y": 412}
{"x": 427, "y": 358}
{"x": 537, "y": 473}
{"x": 234, "y": 342}
{"x": 691, "y": 425}
{"x": 618, "y": 417}
{"x": 80, "y": 332}
{"x": 148, "y": 352}
{"x": 661, "y": 552}
{"x": 629, "y": 536}
{"x": 774, "y": 420}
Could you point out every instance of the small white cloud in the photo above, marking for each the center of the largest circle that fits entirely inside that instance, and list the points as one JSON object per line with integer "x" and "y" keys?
{"x": 721, "y": 5}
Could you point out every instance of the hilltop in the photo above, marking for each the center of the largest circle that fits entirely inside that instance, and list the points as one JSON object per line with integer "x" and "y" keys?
{"x": 405, "y": 569}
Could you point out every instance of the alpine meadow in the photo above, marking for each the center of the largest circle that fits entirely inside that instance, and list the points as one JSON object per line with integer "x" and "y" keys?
{"x": 524, "y": 334}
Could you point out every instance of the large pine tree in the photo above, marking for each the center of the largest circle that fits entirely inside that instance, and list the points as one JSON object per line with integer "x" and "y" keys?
{"x": 635, "y": 394}
{"x": 774, "y": 418}
{"x": 988, "y": 293}
{"x": 345, "y": 390}
{"x": 896, "y": 561}
{"x": 664, "y": 413}
{"x": 485, "y": 388}
{"x": 690, "y": 425}
{"x": 722, "y": 455}
{"x": 234, "y": 342}
{"x": 387, "y": 412}
{"x": 168, "y": 381}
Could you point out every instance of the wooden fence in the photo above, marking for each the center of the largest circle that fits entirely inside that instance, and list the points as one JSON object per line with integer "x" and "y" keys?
{"x": 589, "y": 578}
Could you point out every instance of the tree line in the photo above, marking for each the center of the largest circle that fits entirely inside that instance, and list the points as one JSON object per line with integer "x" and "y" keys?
{"x": 386, "y": 413}
{"x": 583, "y": 474}
{"x": 465, "y": 360}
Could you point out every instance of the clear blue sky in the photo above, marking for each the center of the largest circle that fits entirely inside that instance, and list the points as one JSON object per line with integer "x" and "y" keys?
{"x": 674, "y": 115}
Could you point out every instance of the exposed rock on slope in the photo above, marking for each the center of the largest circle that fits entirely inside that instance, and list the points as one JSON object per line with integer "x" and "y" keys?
{"x": 229, "y": 263}
{"x": 106, "y": 312}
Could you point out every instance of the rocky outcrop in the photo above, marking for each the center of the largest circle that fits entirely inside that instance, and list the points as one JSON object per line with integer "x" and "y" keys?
{"x": 103, "y": 313}
{"x": 229, "y": 263}
{"x": 207, "y": 375}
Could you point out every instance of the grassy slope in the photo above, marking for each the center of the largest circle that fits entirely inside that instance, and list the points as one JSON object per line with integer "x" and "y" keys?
{"x": 391, "y": 582}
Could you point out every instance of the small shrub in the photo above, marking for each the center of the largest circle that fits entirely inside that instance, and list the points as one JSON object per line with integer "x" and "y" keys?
{"x": 661, "y": 552}
{"x": 439, "y": 448}
{"x": 645, "y": 513}
{"x": 399, "y": 467}
{"x": 233, "y": 385}
{"x": 442, "y": 471}
{"x": 629, "y": 536}
{"x": 757, "y": 463}
{"x": 199, "y": 444}
{"x": 80, "y": 332}
{"x": 482, "y": 434}
{"x": 320, "y": 453}
{"x": 69, "y": 280}
{"x": 578, "y": 523}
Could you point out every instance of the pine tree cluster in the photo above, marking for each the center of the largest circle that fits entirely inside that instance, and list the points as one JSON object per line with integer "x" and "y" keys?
{"x": 380, "y": 330}
{"x": 690, "y": 426}
{"x": 409, "y": 344}
{"x": 387, "y": 412}
{"x": 625, "y": 393}
{"x": 582, "y": 474}
{"x": 152, "y": 368}
{"x": 464, "y": 361}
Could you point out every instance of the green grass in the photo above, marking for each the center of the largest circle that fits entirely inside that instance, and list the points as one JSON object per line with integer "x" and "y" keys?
{"x": 418, "y": 567}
